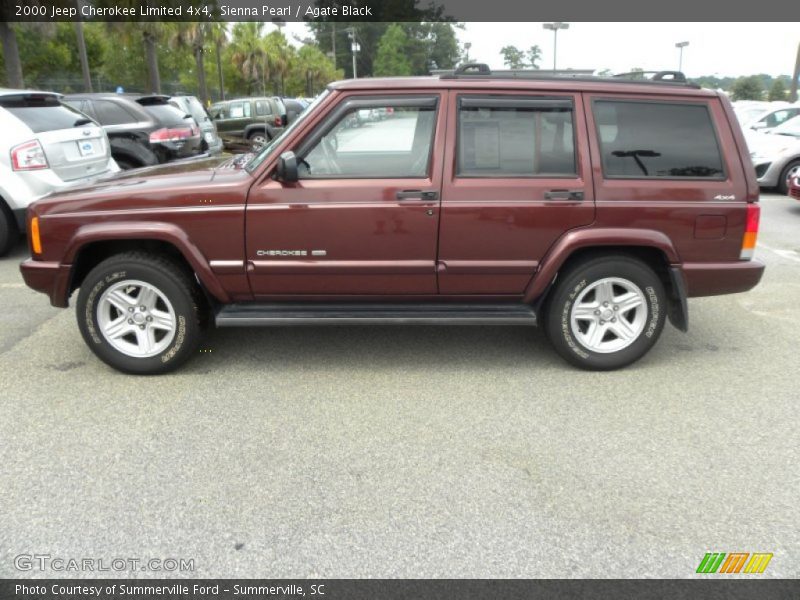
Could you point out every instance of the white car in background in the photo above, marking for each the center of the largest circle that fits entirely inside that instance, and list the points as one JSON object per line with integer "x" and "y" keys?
{"x": 765, "y": 118}
{"x": 776, "y": 154}
{"x": 46, "y": 146}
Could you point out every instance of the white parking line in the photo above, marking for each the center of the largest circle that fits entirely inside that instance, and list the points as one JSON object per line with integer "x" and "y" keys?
{"x": 790, "y": 254}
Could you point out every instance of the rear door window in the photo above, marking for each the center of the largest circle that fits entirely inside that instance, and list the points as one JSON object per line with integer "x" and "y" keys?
{"x": 515, "y": 136}
{"x": 110, "y": 113}
{"x": 239, "y": 110}
{"x": 262, "y": 107}
{"x": 42, "y": 112}
{"x": 644, "y": 140}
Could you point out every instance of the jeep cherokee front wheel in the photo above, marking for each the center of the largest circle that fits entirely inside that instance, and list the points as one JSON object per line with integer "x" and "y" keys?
{"x": 140, "y": 313}
{"x": 606, "y": 313}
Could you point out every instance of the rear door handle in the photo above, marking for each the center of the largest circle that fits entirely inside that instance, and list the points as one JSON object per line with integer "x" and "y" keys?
{"x": 564, "y": 195}
{"x": 422, "y": 195}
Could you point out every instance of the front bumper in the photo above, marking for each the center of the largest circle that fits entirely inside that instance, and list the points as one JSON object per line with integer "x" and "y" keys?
{"x": 50, "y": 278}
{"x": 713, "y": 279}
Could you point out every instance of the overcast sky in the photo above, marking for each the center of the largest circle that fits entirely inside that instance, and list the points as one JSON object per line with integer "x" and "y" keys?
{"x": 714, "y": 48}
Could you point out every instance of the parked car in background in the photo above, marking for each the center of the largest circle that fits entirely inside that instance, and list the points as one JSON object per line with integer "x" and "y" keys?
{"x": 294, "y": 108}
{"x": 190, "y": 105}
{"x": 45, "y": 146}
{"x": 143, "y": 130}
{"x": 249, "y": 121}
{"x": 772, "y": 116}
{"x": 776, "y": 154}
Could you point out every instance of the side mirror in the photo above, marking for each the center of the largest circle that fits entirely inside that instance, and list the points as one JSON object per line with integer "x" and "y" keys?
{"x": 287, "y": 167}
{"x": 757, "y": 126}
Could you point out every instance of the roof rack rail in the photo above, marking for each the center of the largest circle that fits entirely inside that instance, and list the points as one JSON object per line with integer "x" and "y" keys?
{"x": 482, "y": 71}
{"x": 674, "y": 76}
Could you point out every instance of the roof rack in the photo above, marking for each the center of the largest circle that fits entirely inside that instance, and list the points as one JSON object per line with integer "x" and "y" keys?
{"x": 482, "y": 71}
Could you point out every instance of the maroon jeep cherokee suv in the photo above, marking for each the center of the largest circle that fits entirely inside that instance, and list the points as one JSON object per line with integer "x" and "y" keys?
{"x": 594, "y": 206}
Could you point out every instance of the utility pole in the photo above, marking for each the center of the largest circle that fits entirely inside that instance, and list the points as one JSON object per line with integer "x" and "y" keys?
{"x": 333, "y": 44}
{"x": 793, "y": 95}
{"x": 355, "y": 47}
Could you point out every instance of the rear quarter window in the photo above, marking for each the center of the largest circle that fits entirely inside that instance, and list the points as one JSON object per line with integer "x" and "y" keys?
{"x": 42, "y": 113}
{"x": 651, "y": 140}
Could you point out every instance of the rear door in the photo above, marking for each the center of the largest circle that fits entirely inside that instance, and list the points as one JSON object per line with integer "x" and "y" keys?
{"x": 75, "y": 147}
{"x": 517, "y": 176}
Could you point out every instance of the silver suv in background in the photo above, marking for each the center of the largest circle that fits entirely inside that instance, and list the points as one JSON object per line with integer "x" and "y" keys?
{"x": 190, "y": 105}
{"x": 45, "y": 146}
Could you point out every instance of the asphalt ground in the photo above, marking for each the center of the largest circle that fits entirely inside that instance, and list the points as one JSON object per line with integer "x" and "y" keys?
{"x": 409, "y": 451}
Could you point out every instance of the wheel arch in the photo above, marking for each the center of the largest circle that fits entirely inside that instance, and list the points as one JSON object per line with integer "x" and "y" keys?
{"x": 651, "y": 247}
{"x": 94, "y": 243}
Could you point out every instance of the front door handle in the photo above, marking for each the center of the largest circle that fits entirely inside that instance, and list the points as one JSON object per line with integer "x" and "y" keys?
{"x": 564, "y": 195}
{"x": 422, "y": 195}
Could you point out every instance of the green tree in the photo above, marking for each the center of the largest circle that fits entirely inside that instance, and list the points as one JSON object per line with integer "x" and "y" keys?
{"x": 513, "y": 57}
{"x": 191, "y": 36}
{"x": 310, "y": 72}
{"x": 391, "y": 58}
{"x": 747, "y": 88}
{"x": 248, "y": 54}
{"x": 777, "y": 91}
{"x": 534, "y": 56}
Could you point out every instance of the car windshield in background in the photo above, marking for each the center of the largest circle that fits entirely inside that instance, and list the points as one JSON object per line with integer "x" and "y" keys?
{"x": 196, "y": 109}
{"x": 166, "y": 113}
{"x": 43, "y": 112}
{"x": 262, "y": 155}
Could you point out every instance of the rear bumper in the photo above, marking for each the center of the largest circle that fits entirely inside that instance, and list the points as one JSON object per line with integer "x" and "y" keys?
{"x": 712, "y": 279}
{"x": 49, "y": 278}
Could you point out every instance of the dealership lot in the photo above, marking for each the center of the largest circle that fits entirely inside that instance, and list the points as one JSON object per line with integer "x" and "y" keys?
{"x": 411, "y": 452}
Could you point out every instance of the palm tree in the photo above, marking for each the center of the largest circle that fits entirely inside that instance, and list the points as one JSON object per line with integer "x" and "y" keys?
{"x": 193, "y": 37}
{"x": 218, "y": 33}
{"x": 8, "y": 34}
{"x": 249, "y": 55}
{"x": 149, "y": 33}
{"x": 280, "y": 56}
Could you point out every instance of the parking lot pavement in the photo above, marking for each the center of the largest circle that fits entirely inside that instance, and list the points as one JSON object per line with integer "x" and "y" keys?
{"x": 411, "y": 452}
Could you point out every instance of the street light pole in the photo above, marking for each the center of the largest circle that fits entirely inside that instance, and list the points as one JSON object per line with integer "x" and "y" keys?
{"x": 354, "y": 47}
{"x": 467, "y": 46}
{"x": 554, "y": 27}
{"x": 681, "y": 46}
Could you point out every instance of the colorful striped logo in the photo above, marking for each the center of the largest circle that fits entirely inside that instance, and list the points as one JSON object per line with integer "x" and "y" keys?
{"x": 734, "y": 562}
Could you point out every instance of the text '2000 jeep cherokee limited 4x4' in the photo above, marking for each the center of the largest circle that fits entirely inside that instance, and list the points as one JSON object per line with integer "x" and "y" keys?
{"x": 592, "y": 206}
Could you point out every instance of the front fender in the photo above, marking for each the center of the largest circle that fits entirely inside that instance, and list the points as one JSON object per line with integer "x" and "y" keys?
{"x": 165, "y": 232}
{"x": 578, "y": 239}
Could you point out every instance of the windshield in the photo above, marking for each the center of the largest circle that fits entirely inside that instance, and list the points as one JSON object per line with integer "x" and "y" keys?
{"x": 265, "y": 151}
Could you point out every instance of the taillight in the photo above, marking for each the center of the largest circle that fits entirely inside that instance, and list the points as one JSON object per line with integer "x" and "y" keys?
{"x": 278, "y": 121}
{"x": 171, "y": 134}
{"x": 36, "y": 240}
{"x": 28, "y": 156}
{"x": 750, "y": 231}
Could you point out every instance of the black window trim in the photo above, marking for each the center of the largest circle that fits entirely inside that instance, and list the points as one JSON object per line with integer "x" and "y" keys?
{"x": 354, "y": 103}
{"x": 526, "y": 100}
{"x": 703, "y": 103}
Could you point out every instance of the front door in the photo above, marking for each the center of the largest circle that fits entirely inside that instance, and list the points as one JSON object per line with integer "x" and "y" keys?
{"x": 363, "y": 218}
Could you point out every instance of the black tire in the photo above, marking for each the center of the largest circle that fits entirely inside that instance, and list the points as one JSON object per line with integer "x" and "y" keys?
{"x": 170, "y": 280}
{"x": 9, "y": 234}
{"x": 783, "y": 183}
{"x": 569, "y": 289}
{"x": 126, "y": 165}
{"x": 254, "y": 138}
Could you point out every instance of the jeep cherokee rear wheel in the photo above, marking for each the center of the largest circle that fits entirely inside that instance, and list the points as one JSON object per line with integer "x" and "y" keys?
{"x": 606, "y": 313}
{"x": 140, "y": 313}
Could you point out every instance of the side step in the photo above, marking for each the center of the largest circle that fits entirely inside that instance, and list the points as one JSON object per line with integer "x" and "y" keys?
{"x": 353, "y": 313}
